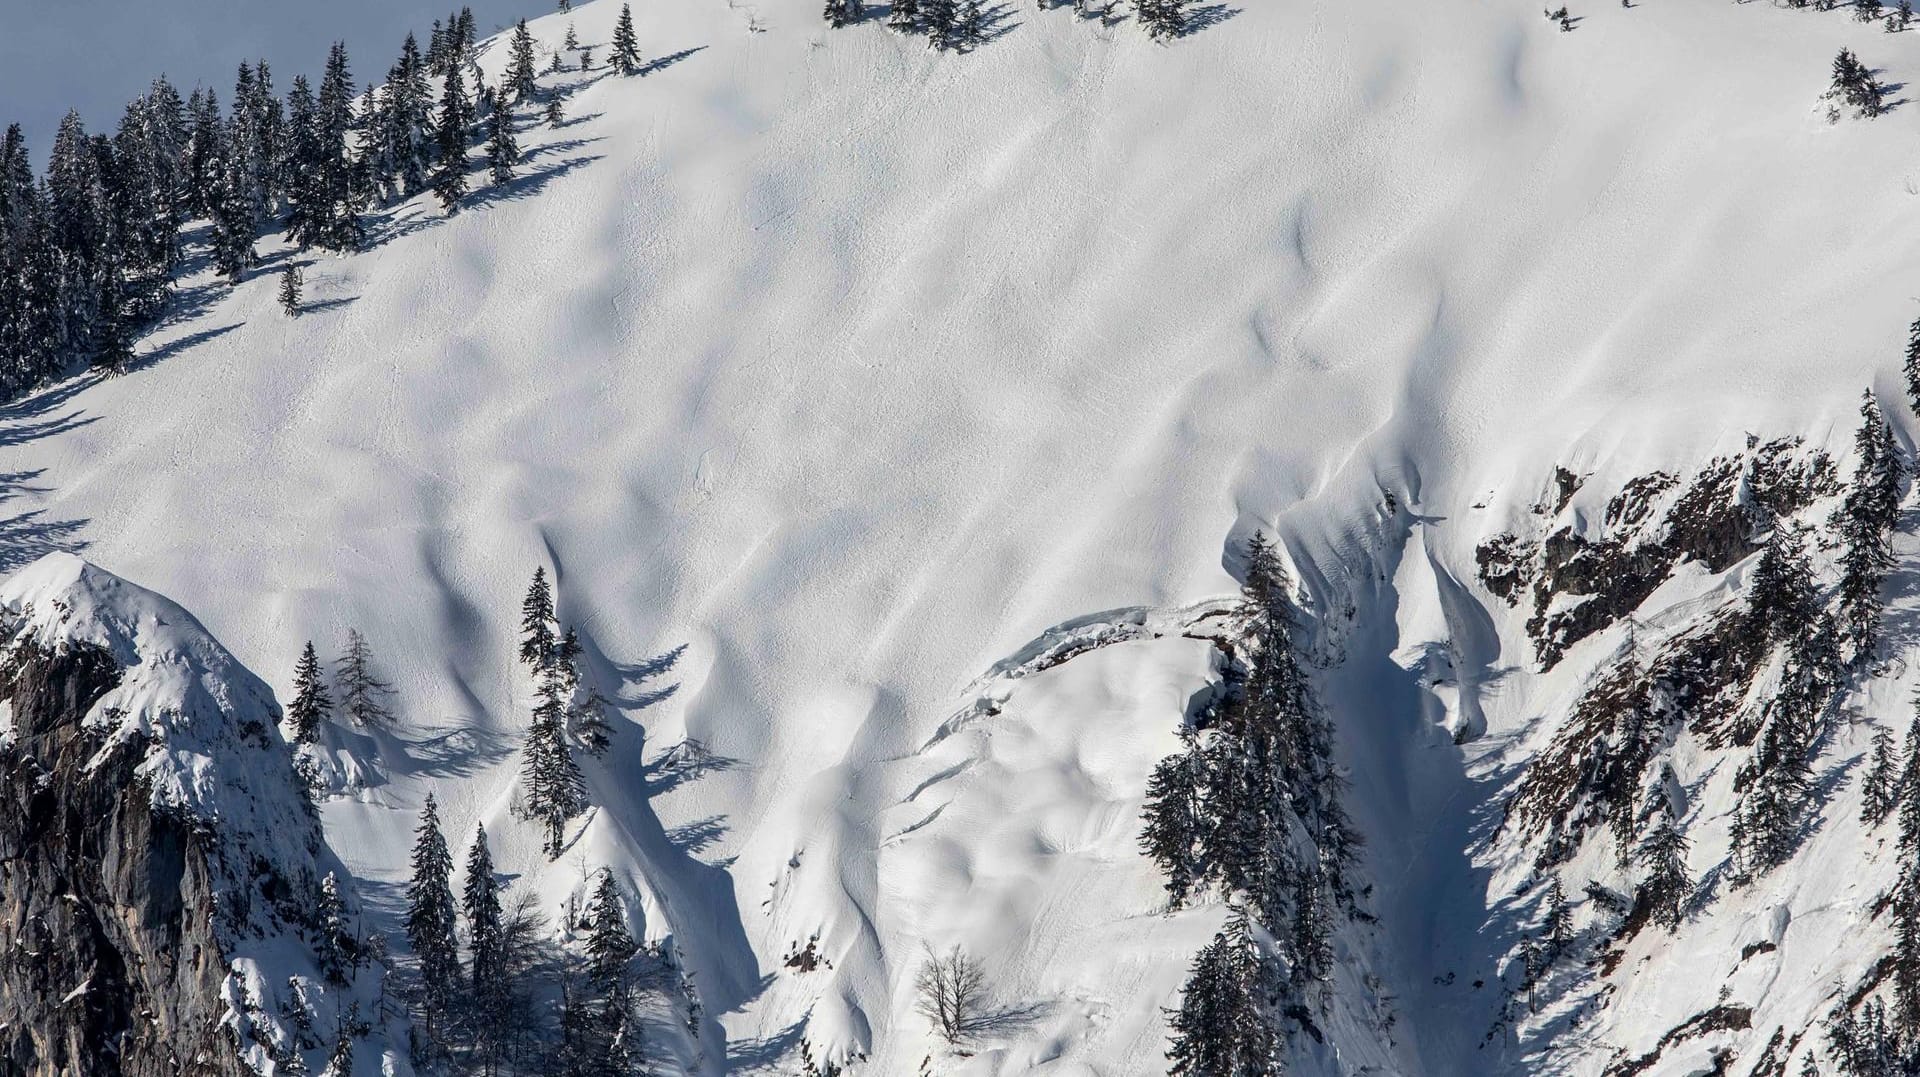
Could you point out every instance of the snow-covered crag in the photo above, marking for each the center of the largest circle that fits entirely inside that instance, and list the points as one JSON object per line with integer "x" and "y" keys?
{"x": 159, "y": 863}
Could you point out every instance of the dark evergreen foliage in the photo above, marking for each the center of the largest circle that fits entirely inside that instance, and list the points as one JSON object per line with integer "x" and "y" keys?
{"x": 450, "y": 176}
{"x": 290, "y": 291}
{"x": 626, "y": 46}
{"x": 1865, "y": 523}
{"x": 430, "y": 921}
{"x": 502, "y": 151}
{"x": 312, "y": 703}
{"x": 1224, "y": 1026}
{"x": 520, "y": 85}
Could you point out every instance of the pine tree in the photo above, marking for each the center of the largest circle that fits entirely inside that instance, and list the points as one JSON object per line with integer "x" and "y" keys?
{"x": 572, "y": 40}
{"x": 362, "y": 694}
{"x": 520, "y": 71}
{"x": 586, "y": 59}
{"x": 841, "y": 13}
{"x": 555, "y": 116}
{"x": 430, "y": 920}
{"x": 538, "y": 628}
{"x": 1880, "y": 789}
{"x": 290, "y": 291}
{"x": 1866, "y": 10}
{"x": 904, "y": 16}
{"x": 970, "y": 25}
{"x": 334, "y": 948}
{"x": 450, "y": 177}
{"x": 626, "y": 46}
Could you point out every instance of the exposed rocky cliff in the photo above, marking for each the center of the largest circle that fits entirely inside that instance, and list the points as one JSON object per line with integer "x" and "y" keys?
{"x": 156, "y": 852}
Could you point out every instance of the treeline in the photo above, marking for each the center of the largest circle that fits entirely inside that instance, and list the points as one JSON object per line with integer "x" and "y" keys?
{"x": 1250, "y": 809}
{"x": 961, "y": 25}
{"x": 91, "y": 250}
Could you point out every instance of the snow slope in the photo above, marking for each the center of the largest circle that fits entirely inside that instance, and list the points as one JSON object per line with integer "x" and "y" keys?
{"x": 853, "y": 368}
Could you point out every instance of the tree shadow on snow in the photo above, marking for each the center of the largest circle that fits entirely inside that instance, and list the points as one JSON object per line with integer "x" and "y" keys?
{"x": 698, "y": 836}
{"x": 177, "y": 345}
{"x": 29, "y": 536}
{"x": 769, "y": 1054}
{"x": 1207, "y": 17}
{"x": 686, "y": 761}
{"x": 661, "y": 63}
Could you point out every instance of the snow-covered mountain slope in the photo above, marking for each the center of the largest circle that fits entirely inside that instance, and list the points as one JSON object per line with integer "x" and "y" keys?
{"x": 162, "y": 863}
{"x": 852, "y": 368}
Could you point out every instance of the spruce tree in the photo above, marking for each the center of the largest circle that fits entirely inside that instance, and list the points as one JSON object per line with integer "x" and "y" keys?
{"x": 1663, "y": 852}
{"x": 450, "y": 176}
{"x": 1223, "y": 1027}
{"x": 940, "y": 20}
{"x": 312, "y": 703}
{"x": 609, "y": 945}
{"x": 340, "y": 1062}
{"x": 555, "y": 116}
{"x": 626, "y": 46}
{"x": 340, "y": 227}
{"x": 552, "y": 789}
{"x": 502, "y": 151}
{"x": 1557, "y": 930}
{"x": 487, "y": 969}
{"x": 1865, "y": 523}
{"x": 572, "y": 40}
{"x": 290, "y": 291}
{"x": 1172, "y": 817}
{"x": 1912, "y": 367}
{"x": 520, "y": 72}
{"x": 904, "y": 16}
{"x": 841, "y": 13}
{"x": 362, "y": 694}
{"x": 1880, "y": 788}
{"x": 1781, "y": 599}
{"x": 430, "y": 920}
{"x": 538, "y": 628}
{"x": 334, "y": 947}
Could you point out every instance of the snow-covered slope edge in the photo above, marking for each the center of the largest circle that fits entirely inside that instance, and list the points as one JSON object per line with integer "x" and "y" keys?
{"x": 164, "y": 867}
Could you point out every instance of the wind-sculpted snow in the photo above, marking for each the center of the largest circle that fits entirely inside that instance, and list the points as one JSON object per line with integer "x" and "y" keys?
{"x": 853, "y": 368}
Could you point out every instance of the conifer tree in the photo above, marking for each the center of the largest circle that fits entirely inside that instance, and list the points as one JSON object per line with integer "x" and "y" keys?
{"x": 1880, "y": 788}
{"x": 450, "y": 177}
{"x": 487, "y": 969}
{"x": 340, "y": 227}
{"x": 841, "y": 13}
{"x": 1781, "y": 599}
{"x": 555, "y": 116}
{"x": 550, "y": 780}
{"x": 430, "y": 920}
{"x": 334, "y": 949}
{"x": 1173, "y": 823}
{"x": 572, "y": 40}
{"x": 340, "y": 1062}
{"x": 609, "y": 945}
{"x": 1222, "y": 1028}
{"x": 940, "y": 19}
{"x": 1865, "y": 522}
{"x": 1664, "y": 854}
{"x": 362, "y": 694}
{"x": 1163, "y": 20}
{"x": 290, "y": 291}
{"x": 502, "y": 151}
{"x": 1912, "y": 367}
{"x": 1557, "y": 931}
{"x": 626, "y": 46}
{"x": 586, "y": 58}
{"x": 520, "y": 73}
{"x": 904, "y": 16}
{"x": 538, "y": 628}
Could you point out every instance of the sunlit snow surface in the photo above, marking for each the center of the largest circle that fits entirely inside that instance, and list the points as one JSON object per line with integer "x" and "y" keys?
{"x": 853, "y": 368}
